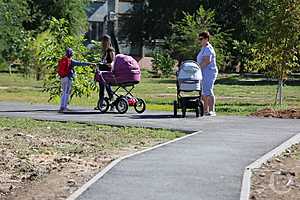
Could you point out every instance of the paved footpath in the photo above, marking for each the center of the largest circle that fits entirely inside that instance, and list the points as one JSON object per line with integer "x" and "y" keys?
{"x": 206, "y": 166}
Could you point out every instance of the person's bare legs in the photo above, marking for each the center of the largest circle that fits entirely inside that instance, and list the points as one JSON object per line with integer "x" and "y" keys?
{"x": 205, "y": 104}
{"x": 211, "y": 103}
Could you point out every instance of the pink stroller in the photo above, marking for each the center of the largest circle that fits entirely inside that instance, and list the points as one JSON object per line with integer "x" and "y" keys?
{"x": 125, "y": 75}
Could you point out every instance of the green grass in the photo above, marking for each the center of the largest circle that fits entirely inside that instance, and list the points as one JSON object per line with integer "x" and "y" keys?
{"x": 73, "y": 138}
{"x": 235, "y": 95}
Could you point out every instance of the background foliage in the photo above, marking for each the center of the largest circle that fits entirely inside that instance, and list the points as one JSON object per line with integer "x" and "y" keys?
{"x": 53, "y": 49}
{"x": 183, "y": 44}
{"x": 254, "y": 36}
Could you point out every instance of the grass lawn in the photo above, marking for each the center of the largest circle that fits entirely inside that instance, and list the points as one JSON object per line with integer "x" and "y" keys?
{"x": 235, "y": 95}
{"x": 95, "y": 137}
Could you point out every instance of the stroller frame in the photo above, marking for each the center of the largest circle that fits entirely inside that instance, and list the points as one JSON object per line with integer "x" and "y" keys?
{"x": 188, "y": 102}
{"x": 125, "y": 75}
{"x": 122, "y": 102}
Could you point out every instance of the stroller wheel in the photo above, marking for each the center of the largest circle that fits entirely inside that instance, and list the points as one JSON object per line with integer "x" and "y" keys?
{"x": 140, "y": 105}
{"x": 175, "y": 108}
{"x": 105, "y": 106}
{"x": 197, "y": 111}
{"x": 122, "y": 105}
{"x": 201, "y": 108}
{"x": 183, "y": 112}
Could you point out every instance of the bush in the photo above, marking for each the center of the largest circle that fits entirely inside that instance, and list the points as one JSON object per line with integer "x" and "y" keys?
{"x": 163, "y": 64}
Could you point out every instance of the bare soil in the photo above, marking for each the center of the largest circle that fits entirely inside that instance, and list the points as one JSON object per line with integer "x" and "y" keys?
{"x": 278, "y": 179}
{"x": 49, "y": 161}
{"x": 45, "y": 176}
{"x": 293, "y": 113}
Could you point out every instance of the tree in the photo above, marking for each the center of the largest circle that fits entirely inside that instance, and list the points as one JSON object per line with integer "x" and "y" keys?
{"x": 183, "y": 43}
{"x": 41, "y": 12}
{"x": 53, "y": 49}
{"x": 154, "y": 20}
{"x": 23, "y": 22}
{"x": 230, "y": 15}
{"x": 12, "y": 35}
{"x": 277, "y": 50}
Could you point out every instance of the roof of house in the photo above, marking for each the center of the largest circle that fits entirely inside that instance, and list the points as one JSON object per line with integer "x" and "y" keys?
{"x": 97, "y": 12}
{"x": 98, "y": 9}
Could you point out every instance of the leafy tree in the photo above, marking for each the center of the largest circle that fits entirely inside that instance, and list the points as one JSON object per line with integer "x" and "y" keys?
{"x": 277, "y": 50}
{"x": 12, "y": 35}
{"x": 230, "y": 15}
{"x": 241, "y": 51}
{"x": 53, "y": 49}
{"x": 41, "y": 12}
{"x": 183, "y": 43}
{"x": 154, "y": 20}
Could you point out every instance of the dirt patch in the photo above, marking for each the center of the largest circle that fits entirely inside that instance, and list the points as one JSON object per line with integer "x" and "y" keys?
{"x": 285, "y": 114}
{"x": 51, "y": 177}
{"x": 45, "y": 175}
{"x": 50, "y": 160}
{"x": 278, "y": 179}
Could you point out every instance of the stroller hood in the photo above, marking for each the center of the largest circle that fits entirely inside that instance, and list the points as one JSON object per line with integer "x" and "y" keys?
{"x": 189, "y": 76}
{"x": 125, "y": 70}
{"x": 189, "y": 70}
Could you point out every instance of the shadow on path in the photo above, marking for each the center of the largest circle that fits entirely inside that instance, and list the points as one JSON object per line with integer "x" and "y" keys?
{"x": 160, "y": 116}
{"x": 28, "y": 111}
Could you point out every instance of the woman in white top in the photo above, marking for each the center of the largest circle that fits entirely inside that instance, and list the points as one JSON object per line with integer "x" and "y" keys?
{"x": 207, "y": 61}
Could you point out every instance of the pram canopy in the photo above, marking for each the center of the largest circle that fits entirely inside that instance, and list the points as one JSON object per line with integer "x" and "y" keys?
{"x": 125, "y": 70}
{"x": 189, "y": 76}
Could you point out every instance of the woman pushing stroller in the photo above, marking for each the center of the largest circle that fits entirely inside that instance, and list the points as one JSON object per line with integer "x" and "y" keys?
{"x": 105, "y": 65}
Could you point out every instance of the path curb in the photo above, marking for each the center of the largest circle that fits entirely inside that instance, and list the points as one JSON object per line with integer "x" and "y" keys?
{"x": 246, "y": 184}
{"x": 86, "y": 186}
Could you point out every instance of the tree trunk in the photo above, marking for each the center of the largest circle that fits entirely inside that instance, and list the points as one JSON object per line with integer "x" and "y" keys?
{"x": 279, "y": 93}
{"x": 38, "y": 76}
{"x": 9, "y": 68}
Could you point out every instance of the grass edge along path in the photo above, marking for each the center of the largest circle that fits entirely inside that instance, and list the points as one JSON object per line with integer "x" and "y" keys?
{"x": 235, "y": 95}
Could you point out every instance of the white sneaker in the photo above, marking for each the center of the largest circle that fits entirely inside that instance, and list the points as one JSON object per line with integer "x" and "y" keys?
{"x": 212, "y": 114}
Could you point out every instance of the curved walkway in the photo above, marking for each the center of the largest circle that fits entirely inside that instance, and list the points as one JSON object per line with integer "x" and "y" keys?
{"x": 205, "y": 166}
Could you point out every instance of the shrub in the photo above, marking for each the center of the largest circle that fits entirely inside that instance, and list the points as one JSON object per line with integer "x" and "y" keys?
{"x": 163, "y": 64}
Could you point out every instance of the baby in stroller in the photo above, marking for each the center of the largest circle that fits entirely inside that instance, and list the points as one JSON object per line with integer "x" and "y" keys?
{"x": 188, "y": 80}
{"x": 125, "y": 75}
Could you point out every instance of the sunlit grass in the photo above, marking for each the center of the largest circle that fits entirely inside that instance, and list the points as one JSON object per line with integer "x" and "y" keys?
{"x": 235, "y": 95}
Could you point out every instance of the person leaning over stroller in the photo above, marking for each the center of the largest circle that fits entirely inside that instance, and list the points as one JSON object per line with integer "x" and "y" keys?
{"x": 106, "y": 65}
{"x": 207, "y": 60}
{"x": 67, "y": 73}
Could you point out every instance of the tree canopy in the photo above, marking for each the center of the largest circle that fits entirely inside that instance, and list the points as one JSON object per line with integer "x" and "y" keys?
{"x": 12, "y": 35}
{"x": 183, "y": 44}
{"x": 41, "y": 11}
{"x": 277, "y": 48}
